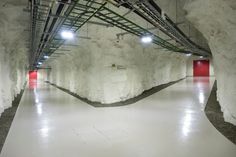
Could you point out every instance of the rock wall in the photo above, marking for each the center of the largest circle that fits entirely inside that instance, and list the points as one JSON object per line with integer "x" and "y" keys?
{"x": 174, "y": 9}
{"x": 13, "y": 52}
{"x": 108, "y": 70}
{"x": 216, "y": 20}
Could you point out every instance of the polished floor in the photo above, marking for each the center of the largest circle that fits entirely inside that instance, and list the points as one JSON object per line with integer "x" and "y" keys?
{"x": 170, "y": 123}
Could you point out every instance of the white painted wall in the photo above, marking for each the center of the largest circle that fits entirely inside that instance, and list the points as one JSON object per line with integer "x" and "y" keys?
{"x": 42, "y": 75}
{"x": 13, "y": 58}
{"x": 107, "y": 71}
{"x": 216, "y": 20}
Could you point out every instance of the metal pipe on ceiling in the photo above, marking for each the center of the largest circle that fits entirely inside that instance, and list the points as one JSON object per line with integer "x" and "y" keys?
{"x": 77, "y": 14}
{"x": 125, "y": 33}
{"x": 152, "y": 13}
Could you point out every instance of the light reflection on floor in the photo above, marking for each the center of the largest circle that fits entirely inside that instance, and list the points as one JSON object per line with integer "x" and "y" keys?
{"x": 52, "y": 123}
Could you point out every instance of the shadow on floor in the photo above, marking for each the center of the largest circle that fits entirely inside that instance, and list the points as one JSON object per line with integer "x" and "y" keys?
{"x": 122, "y": 103}
{"x": 215, "y": 115}
{"x": 7, "y": 117}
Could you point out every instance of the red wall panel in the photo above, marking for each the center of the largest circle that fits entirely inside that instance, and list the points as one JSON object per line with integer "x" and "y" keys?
{"x": 201, "y": 68}
{"x": 33, "y": 79}
{"x": 33, "y": 75}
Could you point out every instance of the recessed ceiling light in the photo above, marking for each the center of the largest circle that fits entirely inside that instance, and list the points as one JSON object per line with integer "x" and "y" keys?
{"x": 146, "y": 39}
{"x": 67, "y": 34}
{"x": 188, "y": 54}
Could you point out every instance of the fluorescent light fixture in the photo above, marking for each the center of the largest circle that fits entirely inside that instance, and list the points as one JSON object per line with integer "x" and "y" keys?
{"x": 46, "y": 57}
{"x": 40, "y": 63}
{"x": 146, "y": 39}
{"x": 188, "y": 54}
{"x": 67, "y": 34}
{"x": 201, "y": 56}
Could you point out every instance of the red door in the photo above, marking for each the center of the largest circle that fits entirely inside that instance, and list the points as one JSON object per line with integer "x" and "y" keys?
{"x": 32, "y": 75}
{"x": 33, "y": 79}
{"x": 201, "y": 68}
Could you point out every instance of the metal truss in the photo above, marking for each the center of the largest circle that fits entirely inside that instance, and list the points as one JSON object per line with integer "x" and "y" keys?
{"x": 49, "y": 18}
{"x": 152, "y": 13}
{"x": 63, "y": 15}
{"x": 73, "y": 19}
{"x": 117, "y": 20}
{"x": 39, "y": 14}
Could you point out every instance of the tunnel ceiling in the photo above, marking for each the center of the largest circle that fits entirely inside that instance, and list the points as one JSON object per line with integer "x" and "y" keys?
{"x": 13, "y": 2}
{"x": 49, "y": 18}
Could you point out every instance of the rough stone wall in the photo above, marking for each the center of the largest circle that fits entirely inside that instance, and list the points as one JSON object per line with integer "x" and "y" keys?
{"x": 13, "y": 52}
{"x": 108, "y": 70}
{"x": 174, "y": 9}
{"x": 216, "y": 19}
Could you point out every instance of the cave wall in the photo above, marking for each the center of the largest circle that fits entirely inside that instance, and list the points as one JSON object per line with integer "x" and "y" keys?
{"x": 216, "y": 20}
{"x": 108, "y": 70}
{"x": 174, "y": 9}
{"x": 13, "y": 52}
{"x": 42, "y": 75}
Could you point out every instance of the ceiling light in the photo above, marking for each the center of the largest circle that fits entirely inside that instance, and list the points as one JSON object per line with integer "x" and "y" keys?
{"x": 67, "y": 34}
{"x": 201, "y": 56}
{"x": 146, "y": 39}
{"x": 188, "y": 54}
{"x": 46, "y": 57}
{"x": 40, "y": 63}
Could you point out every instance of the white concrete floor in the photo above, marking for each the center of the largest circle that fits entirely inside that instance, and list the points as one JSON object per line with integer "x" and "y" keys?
{"x": 51, "y": 123}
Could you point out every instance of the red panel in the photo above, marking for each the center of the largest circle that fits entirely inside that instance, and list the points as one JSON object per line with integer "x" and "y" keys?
{"x": 33, "y": 79}
{"x": 32, "y": 75}
{"x": 201, "y": 68}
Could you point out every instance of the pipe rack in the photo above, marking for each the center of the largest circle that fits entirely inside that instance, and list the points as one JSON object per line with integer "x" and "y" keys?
{"x": 50, "y": 17}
